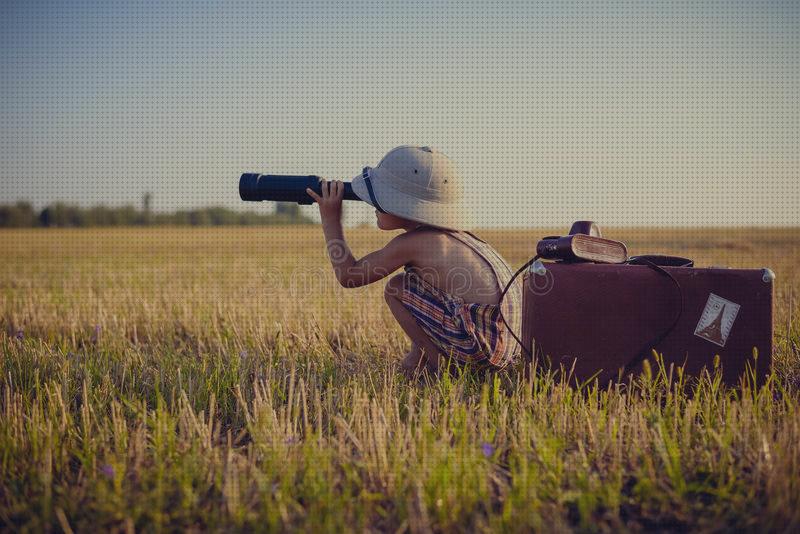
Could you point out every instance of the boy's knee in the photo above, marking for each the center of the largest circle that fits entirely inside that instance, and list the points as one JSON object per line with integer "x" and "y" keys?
{"x": 394, "y": 287}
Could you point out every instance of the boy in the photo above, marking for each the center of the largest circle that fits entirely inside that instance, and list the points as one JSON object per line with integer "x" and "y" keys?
{"x": 447, "y": 299}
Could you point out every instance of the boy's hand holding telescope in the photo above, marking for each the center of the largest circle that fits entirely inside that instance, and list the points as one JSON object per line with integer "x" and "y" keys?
{"x": 329, "y": 201}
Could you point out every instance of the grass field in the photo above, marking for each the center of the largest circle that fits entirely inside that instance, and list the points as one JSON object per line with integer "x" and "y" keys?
{"x": 220, "y": 379}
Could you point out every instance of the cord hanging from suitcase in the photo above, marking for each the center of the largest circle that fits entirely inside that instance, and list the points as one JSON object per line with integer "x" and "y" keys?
{"x": 500, "y": 302}
{"x": 644, "y": 351}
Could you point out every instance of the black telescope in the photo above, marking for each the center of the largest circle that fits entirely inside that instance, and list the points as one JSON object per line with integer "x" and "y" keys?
{"x": 284, "y": 188}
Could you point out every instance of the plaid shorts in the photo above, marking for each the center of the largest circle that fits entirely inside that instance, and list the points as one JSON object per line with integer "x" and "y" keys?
{"x": 468, "y": 332}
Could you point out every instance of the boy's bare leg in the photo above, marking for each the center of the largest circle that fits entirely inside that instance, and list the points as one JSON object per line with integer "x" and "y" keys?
{"x": 423, "y": 351}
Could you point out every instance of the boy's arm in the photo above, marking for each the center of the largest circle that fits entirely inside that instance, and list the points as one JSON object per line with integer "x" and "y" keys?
{"x": 376, "y": 265}
{"x": 349, "y": 271}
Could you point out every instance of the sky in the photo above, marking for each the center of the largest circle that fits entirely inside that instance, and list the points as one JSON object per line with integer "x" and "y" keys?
{"x": 624, "y": 112}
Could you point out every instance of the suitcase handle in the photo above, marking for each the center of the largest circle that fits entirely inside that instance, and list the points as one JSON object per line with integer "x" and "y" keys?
{"x": 660, "y": 260}
{"x": 586, "y": 227}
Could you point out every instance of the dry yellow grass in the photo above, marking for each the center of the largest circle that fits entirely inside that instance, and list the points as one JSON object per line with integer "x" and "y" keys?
{"x": 219, "y": 378}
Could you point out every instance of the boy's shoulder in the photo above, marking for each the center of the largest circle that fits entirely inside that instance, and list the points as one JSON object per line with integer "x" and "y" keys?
{"x": 422, "y": 242}
{"x": 427, "y": 235}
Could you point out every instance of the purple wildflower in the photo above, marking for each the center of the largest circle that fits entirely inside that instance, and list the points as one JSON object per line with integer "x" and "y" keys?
{"x": 19, "y": 335}
{"x": 488, "y": 449}
{"x": 107, "y": 470}
{"x": 291, "y": 440}
{"x": 96, "y": 334}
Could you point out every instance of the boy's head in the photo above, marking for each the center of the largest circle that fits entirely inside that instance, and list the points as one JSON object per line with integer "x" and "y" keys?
{"x": 413, "y": 185}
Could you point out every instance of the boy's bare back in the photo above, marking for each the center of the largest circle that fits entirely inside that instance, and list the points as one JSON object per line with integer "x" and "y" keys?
{"x": 450, "y": 265}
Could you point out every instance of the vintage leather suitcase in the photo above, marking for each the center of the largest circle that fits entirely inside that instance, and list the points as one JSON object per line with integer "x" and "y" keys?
{"x": 606, "y": 318}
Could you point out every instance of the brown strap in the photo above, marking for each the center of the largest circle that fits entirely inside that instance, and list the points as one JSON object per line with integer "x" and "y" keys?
{"x": 475, "y": 237}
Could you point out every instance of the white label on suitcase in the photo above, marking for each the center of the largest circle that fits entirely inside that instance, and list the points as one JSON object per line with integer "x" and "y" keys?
{"x": 717, "y": 319}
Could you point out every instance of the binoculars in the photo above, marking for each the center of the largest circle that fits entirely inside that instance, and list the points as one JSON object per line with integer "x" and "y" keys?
{"x": 284, "y": 188}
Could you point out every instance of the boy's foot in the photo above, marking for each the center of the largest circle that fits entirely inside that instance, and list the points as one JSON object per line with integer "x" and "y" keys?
{"x": 412, "y": 363}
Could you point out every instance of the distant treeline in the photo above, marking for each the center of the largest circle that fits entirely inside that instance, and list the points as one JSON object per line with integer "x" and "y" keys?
{"x": 22, "y": 215}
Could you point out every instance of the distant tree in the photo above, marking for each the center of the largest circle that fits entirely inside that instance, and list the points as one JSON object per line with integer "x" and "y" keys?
{"x": 288, "y": 210}
{"x": 19, "y": 215}
{"x": 22, "y": 214}
{"x": 44, "y": 217}
{"x": 198, "y": 218}
{"x": 147, "y": 199}
{"x": 62, "y": 215}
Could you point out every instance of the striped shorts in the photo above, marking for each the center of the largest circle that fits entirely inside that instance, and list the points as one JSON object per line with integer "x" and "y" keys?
{"x": 467, "y": 332}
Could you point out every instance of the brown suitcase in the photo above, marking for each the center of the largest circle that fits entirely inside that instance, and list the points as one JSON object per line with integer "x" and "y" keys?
{"x": 608, "y": 318}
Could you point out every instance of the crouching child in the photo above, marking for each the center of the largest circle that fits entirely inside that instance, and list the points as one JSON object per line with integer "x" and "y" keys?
{"x": 448, "y": 298}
